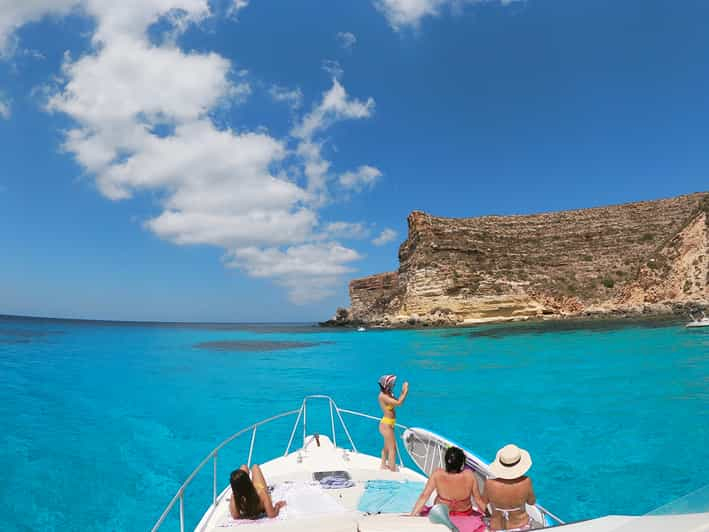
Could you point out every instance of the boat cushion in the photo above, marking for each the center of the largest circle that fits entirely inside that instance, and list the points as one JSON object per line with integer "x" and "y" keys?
{"x": 405, "y": 523}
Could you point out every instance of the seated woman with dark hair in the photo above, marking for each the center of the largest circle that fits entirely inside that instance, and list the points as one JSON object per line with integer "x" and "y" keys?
{"x": 454, "y": 487}
{"x": 250, "y": 498}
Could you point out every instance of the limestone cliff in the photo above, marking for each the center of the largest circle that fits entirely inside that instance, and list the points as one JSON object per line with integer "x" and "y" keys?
{"x": 623, "y": 258}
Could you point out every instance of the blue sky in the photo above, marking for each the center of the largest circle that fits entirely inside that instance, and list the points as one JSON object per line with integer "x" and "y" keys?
{"x": 241, "y": 161}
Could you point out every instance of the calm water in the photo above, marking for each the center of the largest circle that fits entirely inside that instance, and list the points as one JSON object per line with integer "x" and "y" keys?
{"x": 100, "y": 423}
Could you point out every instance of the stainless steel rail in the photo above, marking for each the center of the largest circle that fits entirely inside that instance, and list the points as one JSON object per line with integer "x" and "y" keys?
{"x": 302, "y": 414}
{"x": 549, "y": 514}
{"x": 180, "y": 495}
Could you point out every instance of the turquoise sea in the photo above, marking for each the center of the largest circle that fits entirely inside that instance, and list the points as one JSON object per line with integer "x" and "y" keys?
{"x": 101, "y": 422}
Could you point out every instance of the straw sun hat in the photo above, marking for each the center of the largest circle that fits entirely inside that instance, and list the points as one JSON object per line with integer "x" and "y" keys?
{"x": 511, "y": 462}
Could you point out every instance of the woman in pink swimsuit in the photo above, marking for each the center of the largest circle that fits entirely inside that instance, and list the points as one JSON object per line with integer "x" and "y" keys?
{"x": 456, "y": 487}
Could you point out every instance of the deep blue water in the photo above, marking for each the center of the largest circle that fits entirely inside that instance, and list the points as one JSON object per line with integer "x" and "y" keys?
{"x": 100, "y": 423}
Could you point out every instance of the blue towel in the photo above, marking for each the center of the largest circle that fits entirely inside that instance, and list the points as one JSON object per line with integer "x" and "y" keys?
{"x": 389, "y": 496}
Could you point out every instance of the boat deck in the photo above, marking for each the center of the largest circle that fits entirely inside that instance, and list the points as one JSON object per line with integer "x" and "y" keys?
{"x": 329, "y": 509}
{"x": 649, "y": 523}
{"x": 313, "y": 508}
{"x": 374, "y": 500}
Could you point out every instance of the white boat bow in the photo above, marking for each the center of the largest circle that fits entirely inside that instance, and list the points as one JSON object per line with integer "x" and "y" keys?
{"x": 295, "y": 476}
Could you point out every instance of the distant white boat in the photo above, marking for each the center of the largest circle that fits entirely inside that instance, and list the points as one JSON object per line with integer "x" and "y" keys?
{"x": 361, "y": 329}
{"x": 698, "y": 322}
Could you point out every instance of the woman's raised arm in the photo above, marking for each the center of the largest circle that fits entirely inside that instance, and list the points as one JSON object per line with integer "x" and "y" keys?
{"x": 392, "y": 401}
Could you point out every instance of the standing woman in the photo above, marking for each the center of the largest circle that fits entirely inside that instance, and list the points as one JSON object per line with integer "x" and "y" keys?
{"x": 387, "y": 402}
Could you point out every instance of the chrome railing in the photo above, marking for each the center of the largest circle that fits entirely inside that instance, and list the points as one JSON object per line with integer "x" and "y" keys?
{"x": 302, "y": 414}
{"x": 550, "y": 515}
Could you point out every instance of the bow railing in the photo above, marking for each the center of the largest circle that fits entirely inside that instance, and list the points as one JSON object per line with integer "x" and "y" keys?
{"x": 301, "y": 420}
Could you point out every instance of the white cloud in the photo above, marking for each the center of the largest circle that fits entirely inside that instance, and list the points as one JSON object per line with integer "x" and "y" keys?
{"x": 14, "y": 14}
{"x": 131, "y": 18}
{"x": 347, "y": 39}
{"x": 293, "y": 97}
{"x": 5, "y": 110}
{"x": 309, "y": 271}
{"x": 403, "y": 13}
{"x": 335, "y": 106}
{"x": 364, "y": 176}
{"x": 386, "y": 236}
{"x": 143, "y": 116}
{"x": 346, "y": 230}
{"x": 238, "y": 5}
{"x": 333, "y": 67}
{"x": 132, "y": 81}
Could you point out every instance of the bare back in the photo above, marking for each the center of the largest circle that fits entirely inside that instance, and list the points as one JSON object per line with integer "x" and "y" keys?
{"x": 455, "y": 489}
{"x": 509, "y": 497}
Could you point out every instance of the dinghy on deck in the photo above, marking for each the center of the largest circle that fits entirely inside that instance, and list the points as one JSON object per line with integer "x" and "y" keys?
{"x": 331, "y": 487}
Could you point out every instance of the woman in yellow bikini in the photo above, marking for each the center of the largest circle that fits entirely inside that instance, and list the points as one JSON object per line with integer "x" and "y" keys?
{"x": 249, "y": 496}
{"x": 387, "y": 402}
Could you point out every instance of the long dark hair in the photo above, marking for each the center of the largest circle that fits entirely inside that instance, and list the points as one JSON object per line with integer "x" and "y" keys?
{"x": 388, "y": 391}
{"x": 245, "y": 497}
{"x": 455, "y": 460}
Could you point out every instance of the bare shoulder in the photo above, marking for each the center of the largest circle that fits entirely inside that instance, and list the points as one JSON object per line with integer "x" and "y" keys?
{"x": 488, "y": 485}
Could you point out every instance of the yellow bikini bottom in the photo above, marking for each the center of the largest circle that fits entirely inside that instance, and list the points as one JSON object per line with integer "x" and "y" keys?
{"x": 389, "y": 421}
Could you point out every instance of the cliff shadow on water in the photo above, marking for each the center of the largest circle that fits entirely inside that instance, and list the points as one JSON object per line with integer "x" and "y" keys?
{"x": 597, "y": 325}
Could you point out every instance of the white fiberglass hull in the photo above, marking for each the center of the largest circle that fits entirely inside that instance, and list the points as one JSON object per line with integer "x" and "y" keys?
{"x": 313, "y": 507}
{"x": 297, "y": 468}
{"x": 702, "y": 323}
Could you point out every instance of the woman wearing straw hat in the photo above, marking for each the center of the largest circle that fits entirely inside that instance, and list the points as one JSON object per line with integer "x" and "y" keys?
{"x": 387, "y": 402}
{"x": 507, "y": 494}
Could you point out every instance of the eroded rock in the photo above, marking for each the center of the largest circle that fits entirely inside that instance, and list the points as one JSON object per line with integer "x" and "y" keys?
{"x": 633, "y": 258}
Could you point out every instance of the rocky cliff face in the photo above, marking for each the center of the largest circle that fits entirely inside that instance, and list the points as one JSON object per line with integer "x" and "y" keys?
{"x": 620, "y": 258}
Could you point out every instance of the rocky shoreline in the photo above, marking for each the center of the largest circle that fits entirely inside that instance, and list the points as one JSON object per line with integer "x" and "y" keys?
{"x": 677, "y": 312}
